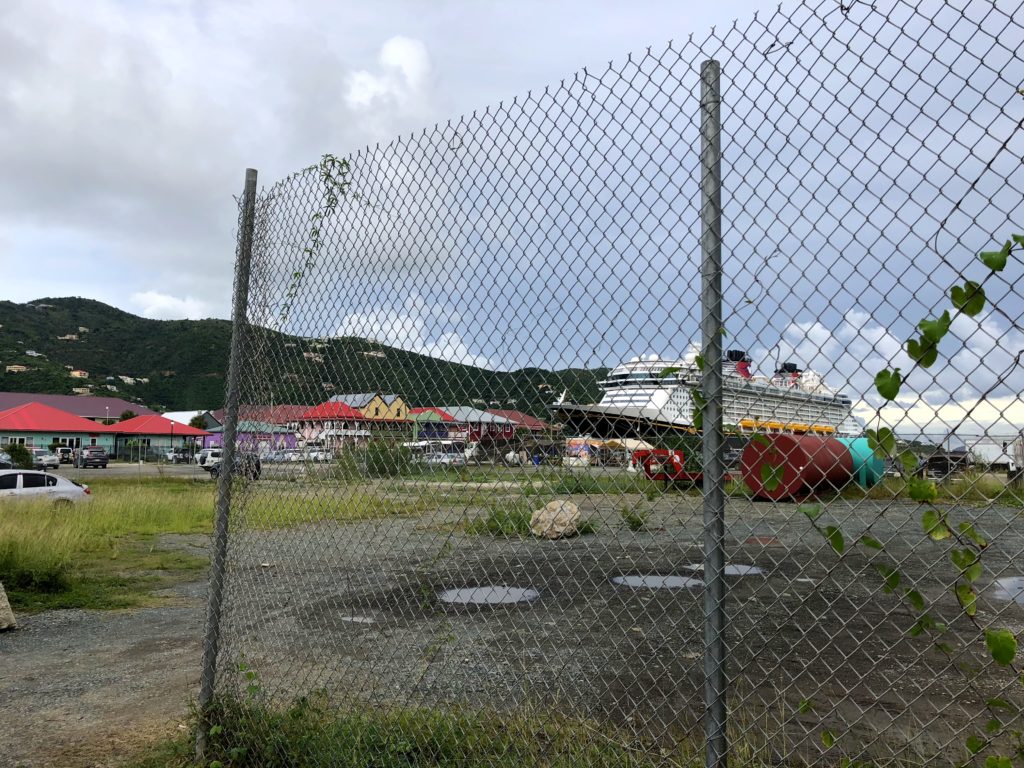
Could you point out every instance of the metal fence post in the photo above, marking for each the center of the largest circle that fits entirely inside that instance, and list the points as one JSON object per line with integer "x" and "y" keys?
{"x": 220, "y": 544}
{"x": 712, "y": 442}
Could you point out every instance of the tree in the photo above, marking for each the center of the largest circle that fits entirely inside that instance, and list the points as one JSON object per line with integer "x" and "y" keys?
{"x": 21, "y": 458}
{"x": 198, "y": 421}
{"x": 129, "y": 414}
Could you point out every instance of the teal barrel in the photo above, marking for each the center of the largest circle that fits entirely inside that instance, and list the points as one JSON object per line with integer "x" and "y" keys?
{"x": 868, "y": 469}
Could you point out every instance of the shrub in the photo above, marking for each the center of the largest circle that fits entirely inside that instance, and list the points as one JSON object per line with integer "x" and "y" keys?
{"x": 21, "y": 457}
{"x": 346, "y": 467}
{"x": 504, "y": 518}
{"x": 635, "y": 519}
{"x": 384, "y": 459}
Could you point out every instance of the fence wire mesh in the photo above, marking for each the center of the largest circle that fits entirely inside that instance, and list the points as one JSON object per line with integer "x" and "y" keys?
{"x": 468, "y": 524}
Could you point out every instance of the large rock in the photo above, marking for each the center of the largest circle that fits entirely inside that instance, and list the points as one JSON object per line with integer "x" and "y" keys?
{"x": 6, "y": 614}
{"x": 555, "y": 520}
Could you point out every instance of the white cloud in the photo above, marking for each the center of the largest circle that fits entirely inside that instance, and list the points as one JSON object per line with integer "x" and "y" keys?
{"x": 407, "y": 328}
{"x": 402, "y": 81}
{"x": 975, "y": 385}
{"x": 161, "y": 306}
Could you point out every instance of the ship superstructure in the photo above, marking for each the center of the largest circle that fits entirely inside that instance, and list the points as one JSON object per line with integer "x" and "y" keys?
{"x": 650, "y": 394}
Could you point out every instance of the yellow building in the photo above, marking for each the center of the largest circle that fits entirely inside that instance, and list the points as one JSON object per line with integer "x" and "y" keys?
{"x": 376, "y": 406}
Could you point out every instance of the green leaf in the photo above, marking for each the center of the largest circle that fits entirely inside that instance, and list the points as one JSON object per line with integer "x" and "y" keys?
{"x": 909, "y": 461}
{"x": 934, "y": 525}
{"x": 666, "y": 372}
{"x": 828, "y": 738}
{"x": 993, "y": 726}
{"x": 216, "y": 764}
{"x": 882, "y": 442}
{"x": 891, "y": 576}
{"x": 975, "y": 744}
{"x": 920, "y": 489}
{"x": 967, "y": 529}
{"x": 760, "y": 439}
{"x": 924, "y": 623}
{"x": 968, "y": 598}
{"x": 1002, "y": 644}
{"x": 699, "y": 360}
{"x": 996, "y": 260}
{"x": 835, "y": 538}
{"x": 888, "y": 383}
{"x": 924, "y": 352}
{"x": 811, "y": 510}
{"x": 1001, "y": 704}
{"x": 934, "y": 330}
{"x": 217, "y": 730}
{"x": 805, "y": 706}
{"x": 915, "y": 598}
{"x": 998, "y": 761}
{"x": 970, "y": 299}
{"x": 1018, "y": 239}
{"x": 771, "y": 476}
{"x": 870, "y": 541}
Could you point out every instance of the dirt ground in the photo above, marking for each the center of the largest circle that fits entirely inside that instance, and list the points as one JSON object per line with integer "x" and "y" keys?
{"x": 353, "y": 609}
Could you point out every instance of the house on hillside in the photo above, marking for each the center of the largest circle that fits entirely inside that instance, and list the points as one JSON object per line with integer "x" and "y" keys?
{"x": 82, "y": 390}
{"x": 16, "y": 368}
{"x": 40, "y": 426}
{"x": 68, "y": 337}
{"x": 78, "y": 373}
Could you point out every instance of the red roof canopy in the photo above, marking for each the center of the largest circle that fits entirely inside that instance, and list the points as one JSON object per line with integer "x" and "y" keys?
{"x": 156, "y": 425}
{"x": 329, "y": 410}
{"x": 521, "y": 419}
{"x": 36, "y": 417}
{"x": 445, "y": 416}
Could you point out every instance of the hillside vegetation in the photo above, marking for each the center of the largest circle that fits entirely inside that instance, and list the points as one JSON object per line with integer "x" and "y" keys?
{"x": 186, "y": 363}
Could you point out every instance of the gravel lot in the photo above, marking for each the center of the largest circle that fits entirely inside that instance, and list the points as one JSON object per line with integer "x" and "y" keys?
{"x": 353, "y": 609}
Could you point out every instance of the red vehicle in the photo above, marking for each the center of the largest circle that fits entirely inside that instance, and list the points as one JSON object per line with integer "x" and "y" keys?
{"x": 666, "y": 465}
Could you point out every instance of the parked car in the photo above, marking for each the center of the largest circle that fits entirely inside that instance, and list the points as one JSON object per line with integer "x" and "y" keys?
{"x": 442, "y": 459}
{"x": 92, "y": 456}
{"x": 30, "y": 484}
{"x": 245, "y": 465}
{"x": 44, "y": 460}
{"x": 177, "y": 456}
{"x": 66, "y": 454}
{"x": 207, "y": 457}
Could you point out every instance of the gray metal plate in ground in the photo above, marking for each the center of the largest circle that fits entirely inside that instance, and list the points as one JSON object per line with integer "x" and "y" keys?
{"x": 488, "y": 595}
{"x": 1009, "y": 588}
{"x": 655, "y": 581}
{"x": 731, "y": 569}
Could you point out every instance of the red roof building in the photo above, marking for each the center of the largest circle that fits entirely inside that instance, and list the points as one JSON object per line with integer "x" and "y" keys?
{"x": 521, "y": 419}
{"x": 443, "y": 415}
{"x": 283, "y": 415}
{"x": 87, "y": 407}
{"x": 36, "y": 417}
{"x": 332, "y": 411}
{"x": 156, "y": 425}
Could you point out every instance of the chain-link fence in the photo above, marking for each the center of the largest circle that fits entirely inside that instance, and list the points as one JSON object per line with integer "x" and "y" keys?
{"x": 645, "y": 419}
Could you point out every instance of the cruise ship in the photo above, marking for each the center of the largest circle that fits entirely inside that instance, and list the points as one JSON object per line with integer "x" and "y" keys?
{"x": 642, "y": 400}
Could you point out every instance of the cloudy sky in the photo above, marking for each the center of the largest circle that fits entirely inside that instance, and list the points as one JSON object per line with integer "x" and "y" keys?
{"x": 556, "y": 229}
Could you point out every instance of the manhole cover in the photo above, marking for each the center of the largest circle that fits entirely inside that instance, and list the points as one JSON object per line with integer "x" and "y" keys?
{"x": 491, "y": 595}
{"x": 654, "y": 581}
{"x": 731, "y": 569}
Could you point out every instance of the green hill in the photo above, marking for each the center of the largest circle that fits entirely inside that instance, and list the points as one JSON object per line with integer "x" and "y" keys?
{"x": 185, "y": 362}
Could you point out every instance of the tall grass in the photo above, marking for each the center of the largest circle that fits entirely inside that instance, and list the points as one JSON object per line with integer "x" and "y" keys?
{"x": 310, "y": 732}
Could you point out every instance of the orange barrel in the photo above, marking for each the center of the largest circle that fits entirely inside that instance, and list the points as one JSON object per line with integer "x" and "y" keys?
{"x": 799, "y": 463}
